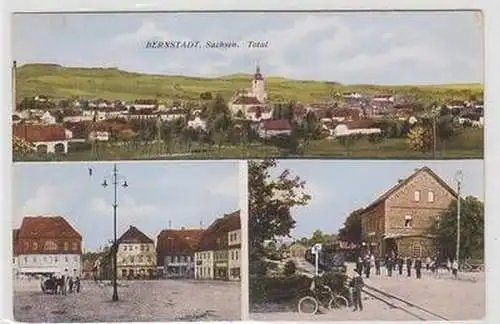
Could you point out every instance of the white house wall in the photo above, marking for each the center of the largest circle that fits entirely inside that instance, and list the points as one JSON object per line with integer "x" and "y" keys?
{"x": 66, "y": 264}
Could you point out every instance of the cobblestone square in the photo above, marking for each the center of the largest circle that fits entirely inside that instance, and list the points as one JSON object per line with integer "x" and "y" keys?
{"x": 143, "y": 301}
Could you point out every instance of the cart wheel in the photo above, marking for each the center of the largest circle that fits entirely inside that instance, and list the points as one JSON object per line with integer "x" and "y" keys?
{"x": 308, "y": 305}
{"x": 338, "y": 302}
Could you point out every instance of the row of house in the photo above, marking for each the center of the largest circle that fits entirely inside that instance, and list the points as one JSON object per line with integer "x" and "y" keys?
{"x": 51, "y": 245}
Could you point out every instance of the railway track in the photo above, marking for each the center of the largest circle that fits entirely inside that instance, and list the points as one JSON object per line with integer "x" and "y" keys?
{"x": 402, "y": 304}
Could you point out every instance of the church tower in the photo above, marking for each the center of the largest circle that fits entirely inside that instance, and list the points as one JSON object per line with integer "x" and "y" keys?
{"x": 258, "y": 86}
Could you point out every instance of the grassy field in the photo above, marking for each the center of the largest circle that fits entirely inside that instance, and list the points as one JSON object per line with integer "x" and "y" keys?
{"x": 110, "y": 83}
{"x": 468, "y": 144}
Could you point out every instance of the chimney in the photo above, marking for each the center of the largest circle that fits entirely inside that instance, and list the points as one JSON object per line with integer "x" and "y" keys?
{"x": 400, "y": 180}
{"x": 201, "y": 224}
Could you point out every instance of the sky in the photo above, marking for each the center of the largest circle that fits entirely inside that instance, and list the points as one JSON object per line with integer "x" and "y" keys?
{"x": 349, "y": 47}
{"x": 185, "y": 193}
{"x": 340, "y": 187}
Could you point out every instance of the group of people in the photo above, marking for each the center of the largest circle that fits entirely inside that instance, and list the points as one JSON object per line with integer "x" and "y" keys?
{"x": 61, "y": 285}
{"x": 395, "y": 263}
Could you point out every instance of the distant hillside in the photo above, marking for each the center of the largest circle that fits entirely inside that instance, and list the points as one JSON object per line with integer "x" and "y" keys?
{"x": 111, "y": 83}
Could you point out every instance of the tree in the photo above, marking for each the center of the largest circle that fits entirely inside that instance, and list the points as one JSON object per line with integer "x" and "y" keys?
{"x": 352, "y": 231}
{"x": 310, "y": 127}
{"x": 420, "y": 138}
{"x": 270, "y": 204}
{"x": 471, "y": 229}
{"x": 290, "y": 268}
{"x": 319, "y": 236}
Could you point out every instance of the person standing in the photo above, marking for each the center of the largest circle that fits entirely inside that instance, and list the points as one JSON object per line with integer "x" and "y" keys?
{"x": 367, "y": 266}
{"x": 408, "y": 266}
{"x": 63, "y": 285}
{"x": 400, "y": 265}
{"x": 427, "y": 263}
{"x": 357, "y": 286}
{"x": 454, "y": 268}
{"x": 388, "y": 266}
{"x": 448, "y": 265}
{"x": 359, "y": 265}
{"x": 77, "y": 284}
{"x": 377, "y": 266}
{"x": 418, "y": 268}
{"x": 70, "y": 285}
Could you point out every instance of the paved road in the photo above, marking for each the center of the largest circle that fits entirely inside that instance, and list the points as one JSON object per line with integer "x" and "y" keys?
{"x": 144, "y": 301}
{"x": 462, "y": 299}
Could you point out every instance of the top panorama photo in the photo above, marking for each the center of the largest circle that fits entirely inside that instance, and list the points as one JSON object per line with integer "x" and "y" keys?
{"x": 369, "y": 85}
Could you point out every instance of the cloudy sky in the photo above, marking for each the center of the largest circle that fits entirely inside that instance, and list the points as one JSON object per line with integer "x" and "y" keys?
{"x": 383, "y": 48}
{"x": 339, "y": 187}
{"x": 185, "y": 193}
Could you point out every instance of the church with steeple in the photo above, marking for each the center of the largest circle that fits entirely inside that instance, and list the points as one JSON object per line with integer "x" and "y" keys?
{"x": 251, "y": 103}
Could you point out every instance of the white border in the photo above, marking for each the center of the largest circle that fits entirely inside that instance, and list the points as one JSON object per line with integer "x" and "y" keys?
{"x": 492, "y": 66}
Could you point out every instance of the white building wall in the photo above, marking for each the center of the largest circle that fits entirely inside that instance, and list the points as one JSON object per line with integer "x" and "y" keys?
{"x": 204, "y": 265}
{"x": 66, "y": 264}
{"x": 51, "y": 145}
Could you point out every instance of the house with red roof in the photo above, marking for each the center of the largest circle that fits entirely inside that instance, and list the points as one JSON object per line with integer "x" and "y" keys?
{"x": 136, "y": 256}
{"x": 216, "y": 257}
{"x": 274, "y": 127}
{"x": 47, "y": 245}
{"x": 175, "y": 250}
{"x": 45, "y": 138}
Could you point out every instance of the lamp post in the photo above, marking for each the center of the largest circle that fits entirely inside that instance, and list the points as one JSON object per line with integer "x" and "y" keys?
{"x": 114, "y": 181}
{"x": 458, "y": 179}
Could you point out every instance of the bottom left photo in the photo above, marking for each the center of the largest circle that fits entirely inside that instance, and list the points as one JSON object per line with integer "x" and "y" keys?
{"x": 126, "y": 242}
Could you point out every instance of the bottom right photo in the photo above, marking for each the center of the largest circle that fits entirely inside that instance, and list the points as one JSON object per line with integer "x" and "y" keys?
{"x": 366, "y": 240}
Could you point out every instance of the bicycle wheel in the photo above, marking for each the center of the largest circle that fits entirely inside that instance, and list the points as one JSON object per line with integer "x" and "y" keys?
{"x": 308, "y": 305}
{"x": 338, "y": 302}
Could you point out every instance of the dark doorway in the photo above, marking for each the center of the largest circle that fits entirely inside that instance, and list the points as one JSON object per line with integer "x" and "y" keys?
{"x": 391, "y": 246}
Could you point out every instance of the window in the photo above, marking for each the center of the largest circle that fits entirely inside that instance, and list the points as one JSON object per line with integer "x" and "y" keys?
{"x": 50, "y": 245}
{"x": 148, "y": 259}
{"x": 75, "y": 258}
{"x": 25, "y": 259}
{"x": 142, "y": 247}
{"x": 75, "y": 246}
{"x": 416, "y": 195}
{"x": 147, "y": 247}
{"x": 66, "y": 246}
{"x": 124, "y": 248}
{"x": 430, "y": 196}
{"x": 44, "y": 259}
{"x": 66, "y": 259}
{"x": 131, "y": 259}
{"x": 408, "y": 221}
{"x": 236, "y": 256}
{"x": 416, "y": 250}
{"x": 35, "y": 246}
{"x": 140, "y": 259}
{"x": 438, "y": 220}
{"x": 55, "y": 259}
{"x": 26, "y": 245}
{"x": 34, "y": 259}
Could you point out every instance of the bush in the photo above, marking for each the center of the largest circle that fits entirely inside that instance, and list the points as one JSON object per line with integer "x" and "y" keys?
{"x": 278, "y": 289}
{"x": 290, "y": 268}
{"x": 78, "y": 146}
{"x": 336, "y": 281}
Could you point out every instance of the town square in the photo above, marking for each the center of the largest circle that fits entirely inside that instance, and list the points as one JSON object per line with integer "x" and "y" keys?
{"x": 165, "y": 231}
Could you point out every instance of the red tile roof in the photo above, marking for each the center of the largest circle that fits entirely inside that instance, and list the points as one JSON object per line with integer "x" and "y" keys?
{"x": 177, "y": 242}
{"x": 39, "y": 133}
{"x": 47, "y": 227}
{"x": 246, "y": 100}
{"x": 219, "y": 229}
{"x": 134, "y": 236}
{"x": 276, "y": 124}
{"x": 15, "y": 239}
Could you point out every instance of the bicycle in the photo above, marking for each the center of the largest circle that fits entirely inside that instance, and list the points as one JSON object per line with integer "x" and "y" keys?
{"x": 310, "y": 304}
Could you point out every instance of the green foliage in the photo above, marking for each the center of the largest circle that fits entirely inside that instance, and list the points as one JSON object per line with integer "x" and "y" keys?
{"x": 318, "y": 236}
{"x": 471, "y": 229}
{"x": 352, "y": 231}
{"x": 111, "y": 83}
{"x": 290, "y": 268}
{"x": 270, "y": 201}
{"x": 279, "y": 290}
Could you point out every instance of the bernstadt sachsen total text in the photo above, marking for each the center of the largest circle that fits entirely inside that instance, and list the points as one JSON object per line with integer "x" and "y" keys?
{"x": 187, "y": 44}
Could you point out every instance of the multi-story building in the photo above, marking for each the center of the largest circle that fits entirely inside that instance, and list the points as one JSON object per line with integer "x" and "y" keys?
{"x": 47, "y": 245}
{"x": 136, "y": 256}
{"x": 175, "y": 249}
{"x": 219, "y": 254}
{"x": 400, "y": 219}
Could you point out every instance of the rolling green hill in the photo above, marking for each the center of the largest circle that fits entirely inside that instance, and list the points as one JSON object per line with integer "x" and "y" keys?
{"x": 111, "y": 83}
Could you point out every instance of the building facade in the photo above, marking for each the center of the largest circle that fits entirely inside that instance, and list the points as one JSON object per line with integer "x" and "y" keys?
{"x": 245, "y": 103}
{"x": 47, "y": 245}
{"x": 175, "y": 249}
{"x": 136, "y": 256}
{"x": 400, "y": 219}
{"x": 219, "y": 254}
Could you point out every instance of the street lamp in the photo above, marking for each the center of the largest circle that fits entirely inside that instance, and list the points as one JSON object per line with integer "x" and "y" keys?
{"x": 114, "y": 181}
{"x": 458, "y": 178}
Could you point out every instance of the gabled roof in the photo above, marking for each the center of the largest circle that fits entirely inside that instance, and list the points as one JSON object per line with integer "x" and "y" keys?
{"x": 47, "y": 227}
{"x": 134, "y": 236}
{"x": 39, "y": 133}
{"x": 276, "y": 124}
{"x": 246, "y": 100}
{"x": 400, "y": 184}
{"x": 186, "y": 239}
{"x": 221, "y": 226}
